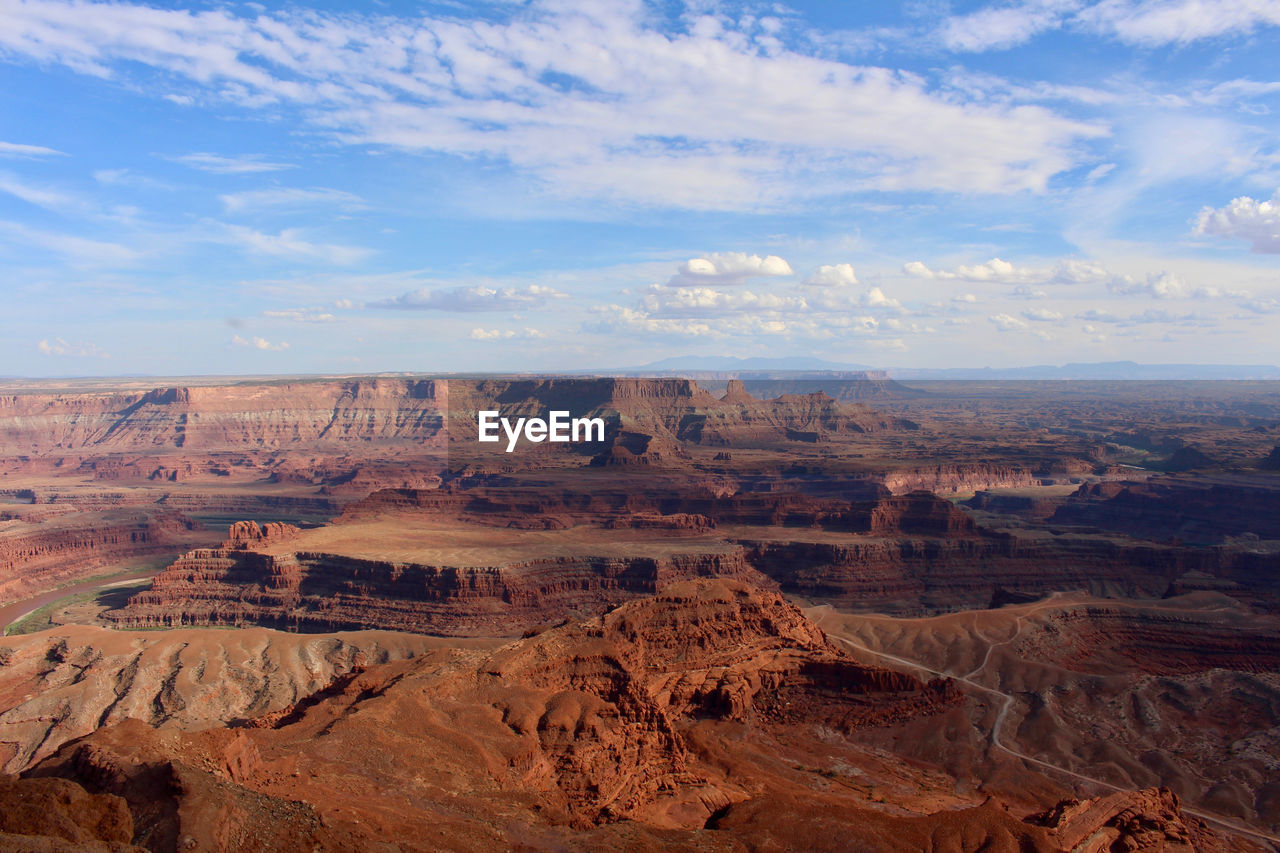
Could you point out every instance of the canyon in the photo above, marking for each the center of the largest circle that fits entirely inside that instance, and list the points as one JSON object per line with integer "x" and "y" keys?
{"x": 839, "y": 611}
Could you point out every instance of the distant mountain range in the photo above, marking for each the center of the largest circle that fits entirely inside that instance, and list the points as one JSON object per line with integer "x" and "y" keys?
{"x": 1101, "y": 370}
{"x": 731, "y": 363}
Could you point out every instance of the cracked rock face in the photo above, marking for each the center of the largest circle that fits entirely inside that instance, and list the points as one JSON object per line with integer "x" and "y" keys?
{"x": 66, "y": 683}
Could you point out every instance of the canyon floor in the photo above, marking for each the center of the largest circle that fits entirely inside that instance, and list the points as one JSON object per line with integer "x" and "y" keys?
{"x": 826, "y": 611}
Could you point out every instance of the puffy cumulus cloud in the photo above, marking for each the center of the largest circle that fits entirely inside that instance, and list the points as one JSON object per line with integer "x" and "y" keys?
{"x": 1001, "y": 271}
{"x": 965, "y": 298}
{"x": 1042, "y": 315}
{"x": 259, "y": 343}
{"x": 832, "y": 275}
{"x": 301, "y": 315}
{"x": 615, "y": 319}
{"x": 1007, "y": 322}
{"x": 1257, "y": 222}
{"x": 1093, "y": 315}
{"x": 1077, "y": 272}
{"x": 993, "y": 270}
{"x": 1161, "y": 285}
{"x": 728, "y": 268}
{"x": 875, "y": 298}
{"x": 590, "y": 100}
{"x": 710, "y": 302}
{"x": 479, "y": 334}
{"x": 707, "y": 301}
{"x": 1024, "y": 291}
{"x": 477, "y": 297}
{"x": 58, "y": 346}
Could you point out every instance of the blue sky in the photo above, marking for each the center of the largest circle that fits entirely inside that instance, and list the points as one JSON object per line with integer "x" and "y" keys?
{"x": 350, "y": 187}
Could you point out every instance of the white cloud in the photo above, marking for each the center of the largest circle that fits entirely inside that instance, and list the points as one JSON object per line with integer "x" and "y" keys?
{"x": 999, "y": 27}
{"x": 728, "y": 268}
{"x": 1263, "y": 305}
{"x": 259, "y": 343}
{"x": 39, "y": 196}
{"x": 1162, "y": 285}
{"x": 706, "y": 301}
{"x": 875, "y": 298}
{"x": 302, "y": 315}
{"x": 473, "y": 298}
{"x": 288, "y": 197}
{"x": 1077, "y": 272}
{"x": 220, "y": 165}
{"x": 964, "y": 297}
{"x": 78, "y": 250}
{"x": 996, "y": 270}
{"x": 1093, "y": 315}
{"x": 1149, "y": 23}
{"x": 1161, "y": 22}
{"x": 590, "y": 100}
{"x": 290, "y": 244}
{"x": 504, "y": 334}
{"x": 58, "y": 346}
{"x": 1245, "y": 219}
{"x": 1007, "y": 322}
{"x": 832, "y": 275}
{"x": 1042, "y": 315}
{"x": 14, "y": 149}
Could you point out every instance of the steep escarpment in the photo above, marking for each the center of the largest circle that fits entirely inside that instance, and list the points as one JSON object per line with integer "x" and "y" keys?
{"x": 315, "y": 591}
{"x": 914, "y": 575}
{"x": 38, "y": 555}
{"x": 1194, "y": 509}
{"x": 950, "y": 478}
{"x": 498, "y": 562}
{"x": 242, "y": 416}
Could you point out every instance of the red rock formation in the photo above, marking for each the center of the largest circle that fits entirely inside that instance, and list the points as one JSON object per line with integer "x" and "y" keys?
{"x": 574, "y": 729}
{"x": 968, "y": 477}
{"x": 246, "y": 534}
{"x": 70, "y": 545}
{"x": 232, "y": 416}
{"x": 326, "y": 592}
{"x": 1182, "y": 507}
{"x": 59, "y": 815}
{"x": 1150, "y": 820}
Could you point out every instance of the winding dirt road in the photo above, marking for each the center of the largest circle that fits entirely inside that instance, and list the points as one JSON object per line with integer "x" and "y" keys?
{"x": 820, "y": 615}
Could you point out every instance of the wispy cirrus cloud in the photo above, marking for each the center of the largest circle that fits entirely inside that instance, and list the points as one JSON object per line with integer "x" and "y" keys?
{"x": 767, "y": 126}
{"x": 16, "y": 149}
{"x": 1147, "y": 23}
{"x": 222, "y": 165}
{"x": 288, "y": 198}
